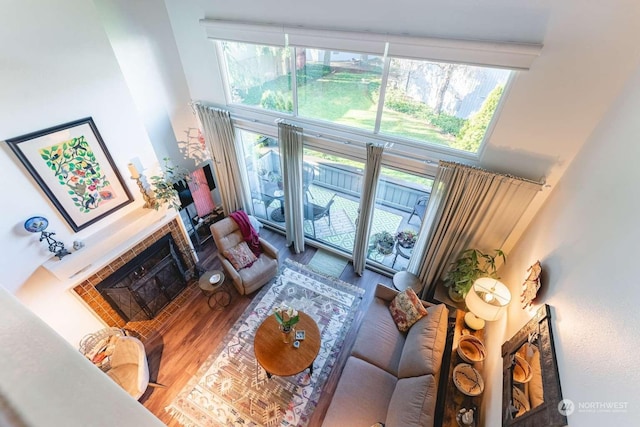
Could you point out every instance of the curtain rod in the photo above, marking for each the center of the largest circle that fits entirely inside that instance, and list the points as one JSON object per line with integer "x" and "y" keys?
{"x": 447, "y": 163}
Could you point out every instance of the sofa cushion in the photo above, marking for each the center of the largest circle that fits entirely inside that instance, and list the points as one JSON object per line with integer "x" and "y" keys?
{"x": 240, "y": 256}
{"x": 362, "y": 395}
{"x": 406, "y": 309}
{"x": 425, "y": 344}
{"x": 413, "y": 402}
{"x": 378, "y": 341}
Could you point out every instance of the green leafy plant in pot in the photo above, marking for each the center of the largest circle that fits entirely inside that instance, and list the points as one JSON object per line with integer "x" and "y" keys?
{"x": 470, "y": 265}
{"x": 163, "y": 185}
{"x": 383, "y": 242}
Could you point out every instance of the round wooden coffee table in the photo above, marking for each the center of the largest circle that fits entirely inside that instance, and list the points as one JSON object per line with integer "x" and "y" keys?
{"x": 278, "y": 358}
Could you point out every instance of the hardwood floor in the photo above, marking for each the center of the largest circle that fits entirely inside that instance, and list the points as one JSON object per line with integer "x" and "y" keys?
{"x": 176, "y": 352}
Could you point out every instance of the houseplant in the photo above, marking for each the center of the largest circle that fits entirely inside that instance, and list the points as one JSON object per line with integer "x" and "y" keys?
{"x": 470, "y": 265}
{"x": 287, "y": 317}
{"x": 406, "y": 238}
{"x": 163, "y": 184}
{"x": 383, "y": 242}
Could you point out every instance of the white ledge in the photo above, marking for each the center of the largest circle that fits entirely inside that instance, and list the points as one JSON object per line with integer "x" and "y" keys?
{"x": 107, "y": 244}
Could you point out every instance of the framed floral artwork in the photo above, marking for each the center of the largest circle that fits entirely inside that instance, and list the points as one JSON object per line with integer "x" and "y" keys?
{"x": 71, "y": 164}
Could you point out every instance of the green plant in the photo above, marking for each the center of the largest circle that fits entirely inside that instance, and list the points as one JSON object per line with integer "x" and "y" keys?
{"x": 472, "y": 132}
{"x": 471, "y": 265}
{"x": 277, "y": 101}
{"x": 163, "y": 185}
{"x": 383, "y": 241}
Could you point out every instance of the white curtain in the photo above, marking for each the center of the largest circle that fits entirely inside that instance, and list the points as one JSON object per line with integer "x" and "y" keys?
{"x": 220, "y": 137}
{"x": 468, "y": 208}
{"x": 367, "y": 206}
{"x": 290, "y": 140}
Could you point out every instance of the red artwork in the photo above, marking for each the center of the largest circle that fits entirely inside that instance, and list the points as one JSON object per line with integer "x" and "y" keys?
{"x": 201, "y": 193}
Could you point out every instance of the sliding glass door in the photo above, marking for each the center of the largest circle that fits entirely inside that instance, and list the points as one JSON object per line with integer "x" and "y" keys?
{"x": 332, "y": 186}
{"x": 400, "y": 203}
{"x": 262, "y": 161}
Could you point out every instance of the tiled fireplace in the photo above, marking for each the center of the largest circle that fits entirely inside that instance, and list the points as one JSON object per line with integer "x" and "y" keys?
{"x": 88, "y": 293}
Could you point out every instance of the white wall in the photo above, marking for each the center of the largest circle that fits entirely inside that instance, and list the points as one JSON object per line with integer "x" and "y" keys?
{"x": 46, "y": 382}
{"x": 143, "y": 42}
{"x": 586, "y": 237}
{"x": 57, "y": 66}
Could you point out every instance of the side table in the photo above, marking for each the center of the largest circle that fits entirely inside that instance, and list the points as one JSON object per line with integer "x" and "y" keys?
{"x": 213, "y": 284}
{"x": 403, "y": 280}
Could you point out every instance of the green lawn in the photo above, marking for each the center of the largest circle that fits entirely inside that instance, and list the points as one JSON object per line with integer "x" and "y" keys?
{"x": 351, "y": 99}
{"x": 348, "y": 99}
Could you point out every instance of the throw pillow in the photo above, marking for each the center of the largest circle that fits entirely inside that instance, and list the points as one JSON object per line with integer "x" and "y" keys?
{"x": 240, "y": 256}
{"x": 406, "y": 309}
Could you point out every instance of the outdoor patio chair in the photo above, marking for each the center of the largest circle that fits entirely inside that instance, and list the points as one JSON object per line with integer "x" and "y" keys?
{"x": 313, "y": 213}
{"x": 309, "y": 174}
{"x": 419, "y": 208}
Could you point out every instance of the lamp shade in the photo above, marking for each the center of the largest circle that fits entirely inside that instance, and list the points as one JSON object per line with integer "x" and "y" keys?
{"x": 488, "y": 299}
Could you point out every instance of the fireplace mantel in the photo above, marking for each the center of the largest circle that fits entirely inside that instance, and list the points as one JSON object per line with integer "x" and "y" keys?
{"x": 108, "y": 243}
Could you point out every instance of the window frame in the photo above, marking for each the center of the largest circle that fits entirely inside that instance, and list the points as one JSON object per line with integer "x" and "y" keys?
{"x": 337, "y": 131}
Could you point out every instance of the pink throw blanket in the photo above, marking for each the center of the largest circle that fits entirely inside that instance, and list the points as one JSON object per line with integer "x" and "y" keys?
{"x": 248, "y": 232}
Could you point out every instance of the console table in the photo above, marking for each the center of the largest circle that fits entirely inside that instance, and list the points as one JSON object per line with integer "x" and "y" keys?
{"x": 454, "y": 399}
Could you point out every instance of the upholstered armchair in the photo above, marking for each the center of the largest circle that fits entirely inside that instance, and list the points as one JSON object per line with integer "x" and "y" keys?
{"x": 227, "y": 235}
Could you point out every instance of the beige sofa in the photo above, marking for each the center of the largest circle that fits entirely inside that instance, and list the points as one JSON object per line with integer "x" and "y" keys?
{"x": 391, "y": 377}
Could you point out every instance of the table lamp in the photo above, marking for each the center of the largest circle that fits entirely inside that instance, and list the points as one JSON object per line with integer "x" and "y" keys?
{"x": 487, "y": 300}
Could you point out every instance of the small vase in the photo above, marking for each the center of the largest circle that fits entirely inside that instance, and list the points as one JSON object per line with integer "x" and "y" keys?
{"x": 286, "y": 333}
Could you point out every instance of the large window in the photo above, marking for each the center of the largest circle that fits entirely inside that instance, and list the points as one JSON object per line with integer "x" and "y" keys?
{"x": 259, "y": 76}
{"x": 339, "y": 87}
{"x": 441, "y": 103}
{"x": 435, "y": 103}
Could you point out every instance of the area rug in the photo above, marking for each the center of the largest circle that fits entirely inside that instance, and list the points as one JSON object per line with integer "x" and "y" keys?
{"x": 340, "y": 224}
{"x": 324, "y": 262}
{"x": 231, "y": 389}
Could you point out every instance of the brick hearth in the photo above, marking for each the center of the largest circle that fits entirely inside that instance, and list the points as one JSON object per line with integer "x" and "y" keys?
{"x": 87, "y": 292}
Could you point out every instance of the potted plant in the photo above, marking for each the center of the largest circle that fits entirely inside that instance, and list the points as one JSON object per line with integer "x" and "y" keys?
{"x": 383, "y": 242}
{"x": 276, "y": 178}
{"x": 163, "y": 185}
{"x": 470, "y": 265}
{"x": 406, "y": 238}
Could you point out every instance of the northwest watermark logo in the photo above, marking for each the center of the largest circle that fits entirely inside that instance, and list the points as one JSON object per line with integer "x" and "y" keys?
{"x": 567, "y": 407}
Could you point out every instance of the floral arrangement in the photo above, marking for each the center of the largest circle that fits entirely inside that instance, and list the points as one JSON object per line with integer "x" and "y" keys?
{"x": 286, "y": 316}
{"x": 406, "y": 238}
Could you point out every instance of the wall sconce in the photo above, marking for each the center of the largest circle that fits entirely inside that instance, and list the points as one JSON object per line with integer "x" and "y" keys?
{"x": 487, "y": 300}
{"x": 149, "y": 201}
{"x": 38, "y": 224}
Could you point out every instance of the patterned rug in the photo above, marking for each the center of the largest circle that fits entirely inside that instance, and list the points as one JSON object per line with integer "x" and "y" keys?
{"x": 327, "y": 263}
{"x": 231, "y": 389}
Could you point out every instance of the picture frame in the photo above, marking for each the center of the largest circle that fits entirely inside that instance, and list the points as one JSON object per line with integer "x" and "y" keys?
{"x": 73, "y": 167}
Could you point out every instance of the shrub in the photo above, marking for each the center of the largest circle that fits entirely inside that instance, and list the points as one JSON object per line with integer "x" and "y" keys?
{"x": 276, "y": 101}
{"x": 448, "y": 124}
{"x": 473, "y": 131}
